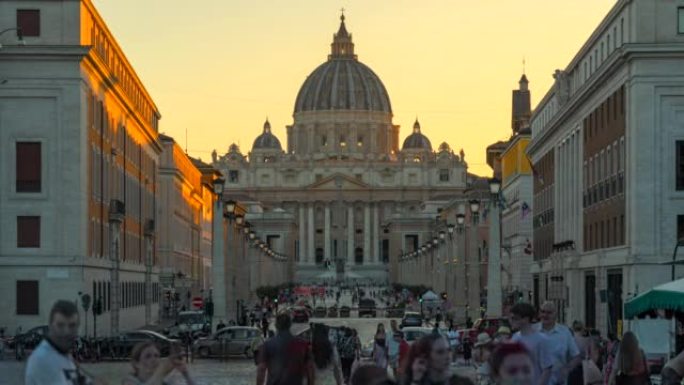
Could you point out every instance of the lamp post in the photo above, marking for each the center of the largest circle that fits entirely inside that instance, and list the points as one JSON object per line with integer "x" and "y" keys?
{"x": 20, "y": 35}
{"x": 674, "y": 257}
{"x": 218, "y": 264}
{"x": 117, "y": 211}
{"x": 494, "y": 300}
{"x": 475, "y": 218}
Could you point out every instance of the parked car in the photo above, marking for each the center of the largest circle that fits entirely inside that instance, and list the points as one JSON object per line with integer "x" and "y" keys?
{"x": 483, "y": 325}
{"x": 345, "y": 312}
{"x": 332, "y": 312}
{"x": 300, "y": 314}
{"x": 367, "y": 308}
{"x": 320, "y": 312}
{"x": 411, "y": 318}
{"x": 395, "y": 312}
{"x": 414, "y": 333}
{"x": 122, "y": 345}
{"x": 232, "y": 340}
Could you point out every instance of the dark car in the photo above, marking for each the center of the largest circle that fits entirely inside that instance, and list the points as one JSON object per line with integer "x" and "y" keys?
{"x": 332, "y": 312}
{"x": 121, "y": 346}
{"x": 232, "y": 340}
{"x": 367, "y": 308}
{"x": 345, "y": 312}
{"x": 411, "y": 319}
{"x": 300, "y": 314}
{"x": 320, "y": 312}
{"x": 395, "y": 312}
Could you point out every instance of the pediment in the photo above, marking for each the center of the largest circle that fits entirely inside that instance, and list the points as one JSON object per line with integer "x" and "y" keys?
{"x": 338, "y": 181}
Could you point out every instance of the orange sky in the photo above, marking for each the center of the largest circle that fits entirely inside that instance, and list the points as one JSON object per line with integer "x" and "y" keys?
{"x": 217, "y": 68}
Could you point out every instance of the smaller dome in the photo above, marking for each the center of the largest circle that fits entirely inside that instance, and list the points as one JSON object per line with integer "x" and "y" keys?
{"x": 417, "y": 141}
{"x": 444, "y": 147}
{"x": 267, "y": 141}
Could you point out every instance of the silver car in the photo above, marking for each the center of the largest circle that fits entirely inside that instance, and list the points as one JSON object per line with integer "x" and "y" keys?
{"x": 232, "y": 340}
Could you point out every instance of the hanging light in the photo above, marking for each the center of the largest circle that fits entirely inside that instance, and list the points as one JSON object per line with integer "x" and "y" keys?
{"x": 460, "y": 219}
{"x": 474, "y": 206}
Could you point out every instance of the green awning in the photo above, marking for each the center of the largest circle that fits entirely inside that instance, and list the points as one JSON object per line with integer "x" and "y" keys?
{"x": 668, "y": 296}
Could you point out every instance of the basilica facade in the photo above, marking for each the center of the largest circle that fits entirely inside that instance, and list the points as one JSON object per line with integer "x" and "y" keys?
{"x": 342, "y": 175}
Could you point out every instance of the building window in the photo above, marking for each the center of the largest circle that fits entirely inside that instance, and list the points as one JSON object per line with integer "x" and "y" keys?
{"x": 28, "y": 20}
{"x": 233, "y": 176}
{"x": 679, "y": 159}
{"x": 28, "y": 167}
{"x": 324, "y": 140}
{"x": 680, "y": 20}
{"x": 444, "y": 175}
{"x": 28, "y": 231}
{"x": 27, "y": 298}
{"x": 680, "y": 227}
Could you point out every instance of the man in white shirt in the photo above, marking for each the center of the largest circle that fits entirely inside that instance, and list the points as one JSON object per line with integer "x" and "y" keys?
{"x": 566, "y": 355}
{"x": 51, "y": 362}
{"x": 539, "y": 346}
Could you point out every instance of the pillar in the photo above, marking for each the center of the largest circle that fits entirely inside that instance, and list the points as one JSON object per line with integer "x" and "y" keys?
{"x": 302, "y": 236}
{"x": 311, "y": 254}
{"x": 326, "y": 234}
{"x": 115, "y": 220}
{"x": 376, "y": 233}
{"x": 350, "y": 234}
{"x": 366, "y": 234}
{"x": 149, "y": 250}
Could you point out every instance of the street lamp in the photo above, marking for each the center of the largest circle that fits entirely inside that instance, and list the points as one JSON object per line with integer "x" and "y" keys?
{"x": 495, "y": 186}
{"x": 239, "y": 219}
{"x": 20, "y": 35}
{"x": 218, "y": 186}
{"x": 474, "y": 206}
{"x": 450, "y": 229}
{"x": 442, "y": 235}
{"x": 435, "y": 241}
{"x": 494, "y": 289}
{"x": 252, "y": 235}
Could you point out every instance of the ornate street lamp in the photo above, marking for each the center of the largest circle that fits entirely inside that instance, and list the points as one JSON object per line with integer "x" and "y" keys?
{"x": 442, "y": 235}
{"x": 435, "y": 241}
{"x": 495, "y": 186}
{"x": 474, "y": 206}
{"x": 460, "y": 219}
{"x": 218, "y": 186}
{"x": 239, "y": 219}
{"x": 450, "y": 229}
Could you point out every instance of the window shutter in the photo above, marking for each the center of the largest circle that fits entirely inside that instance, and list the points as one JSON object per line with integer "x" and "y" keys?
{"x": 27, "y": 298}
{"x": 28, "y": 20}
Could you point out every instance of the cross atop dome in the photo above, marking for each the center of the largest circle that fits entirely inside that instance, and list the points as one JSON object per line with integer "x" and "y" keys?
{"x": 416, "y": 127}
{"x": 267, "y": 127}
{"x": 342, "y": 46}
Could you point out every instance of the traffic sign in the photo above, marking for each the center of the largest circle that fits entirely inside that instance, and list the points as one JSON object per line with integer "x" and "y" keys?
{"x": 197, "y": 302}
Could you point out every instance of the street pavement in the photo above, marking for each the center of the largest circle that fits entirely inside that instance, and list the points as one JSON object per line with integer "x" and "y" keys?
{"x": 236, "y": 371}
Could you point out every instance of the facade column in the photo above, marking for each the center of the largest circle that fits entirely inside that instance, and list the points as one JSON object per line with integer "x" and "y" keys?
{"x": 376, "y": 233}
{"x": 149, "y": 250}
{"x": 311, "y": 252}
{"x": 301, "y": 250}
{"x": 326, "y": 234}
{"x": 366, "y": 234}
{"x": 350, "y": 234}
{"x": 116, "y": 217}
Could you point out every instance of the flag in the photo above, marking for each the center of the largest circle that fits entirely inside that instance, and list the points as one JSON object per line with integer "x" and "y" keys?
{"x": 525, "y": 209}
{"x": 528, "y": 248}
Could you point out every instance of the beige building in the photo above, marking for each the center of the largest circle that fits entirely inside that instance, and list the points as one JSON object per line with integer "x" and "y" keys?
{"x": 342, "y": 175}
{"x": 78, "y": 170}
{"x": 185, "y": 212}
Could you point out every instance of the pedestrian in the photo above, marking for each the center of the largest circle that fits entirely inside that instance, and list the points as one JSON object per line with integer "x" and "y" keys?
{"x": 565, "y": 353}
{"x": 439, "y": 362}
{"x": 454, "y": 341}
{"x": 380, "y": 349}
{"x": 284, "y": 359}
{"x": 416, "y": 364}
{"x": 51, "y": 363}
{"x": 370, "y": 375}
{"x": 393, "y": 348}
{"x": 327, "y": 365}
{"x": 403, "y": 353}
{"x": 483, "y": 349}
{"x": 673, "y": 371}
{"x": 348, "y": 353}
{"x": 630, "y": 366}
{"x": 149, "y": 369}
{"x": 539, "y": 346}
{"x": 220, "y": 325}
{"x": 264, "y": 326}
{"x": 503, "y": 334}
{"x": 467, "y": 350}
{"x": 512, "y": 363}
{"x": 611, "y": 353}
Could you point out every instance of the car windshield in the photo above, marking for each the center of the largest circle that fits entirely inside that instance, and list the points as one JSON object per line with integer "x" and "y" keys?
{"x": 413, "y": 335}
{"x": 191, "y": 318}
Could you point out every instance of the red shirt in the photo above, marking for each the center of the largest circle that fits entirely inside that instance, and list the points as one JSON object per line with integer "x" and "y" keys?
{"x": 403, "y": 351}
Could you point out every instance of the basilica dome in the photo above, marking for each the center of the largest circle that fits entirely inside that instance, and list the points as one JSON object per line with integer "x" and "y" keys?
{"x": 266, "y": 141}
{"x": 343, "y": 82}
{"x": 417, "y": 141}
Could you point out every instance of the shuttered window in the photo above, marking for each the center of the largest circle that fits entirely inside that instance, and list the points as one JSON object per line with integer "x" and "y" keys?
{"x": 27, "y": 298}
{"x": 28, "y": 20}
{"x": 28, "y": 231}
{"x": 28, "y": 167}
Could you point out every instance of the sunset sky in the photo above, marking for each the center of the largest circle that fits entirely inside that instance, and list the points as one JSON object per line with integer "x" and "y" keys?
{"x": 218, "y": 68}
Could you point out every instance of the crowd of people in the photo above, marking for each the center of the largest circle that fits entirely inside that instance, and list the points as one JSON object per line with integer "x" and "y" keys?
{"x": 538, "y": 353}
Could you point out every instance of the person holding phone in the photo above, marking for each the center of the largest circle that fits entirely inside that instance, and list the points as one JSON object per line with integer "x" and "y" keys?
{"x": 150, "y": 369}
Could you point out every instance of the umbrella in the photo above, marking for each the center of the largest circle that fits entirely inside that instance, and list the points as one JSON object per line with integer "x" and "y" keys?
{"x": 668, "y": 296}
